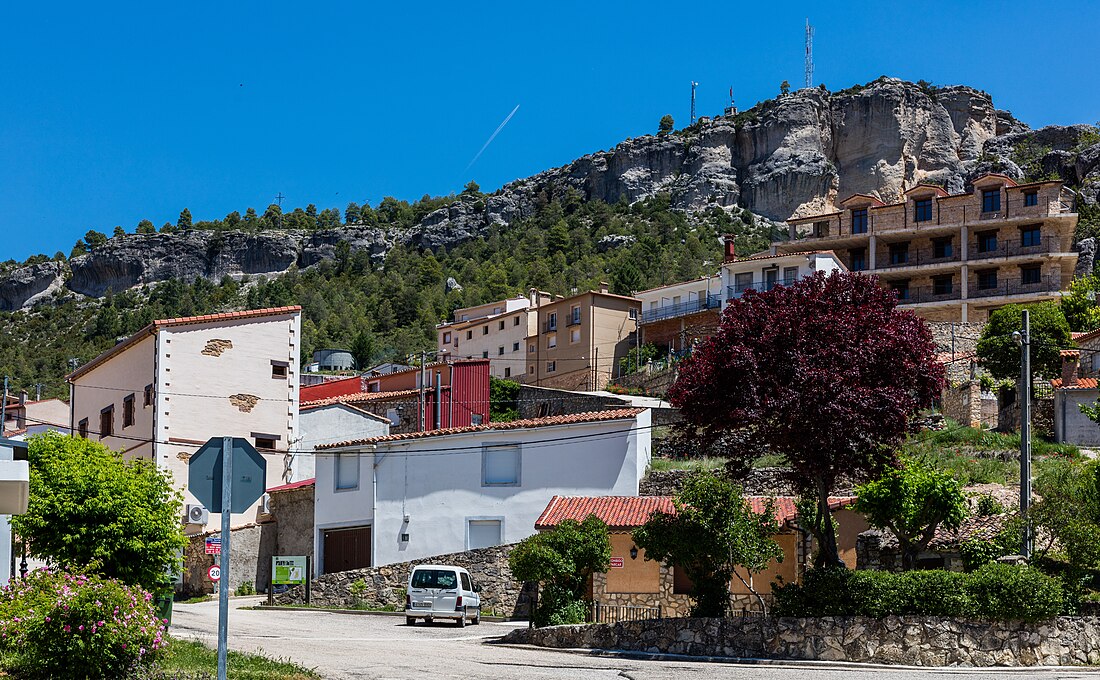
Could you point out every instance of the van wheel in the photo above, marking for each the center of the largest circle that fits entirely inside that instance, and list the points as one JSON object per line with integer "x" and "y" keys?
{"x": 477, "y": 617}
{"x": 410, "y": 620}
{"x": 461, "y": 623}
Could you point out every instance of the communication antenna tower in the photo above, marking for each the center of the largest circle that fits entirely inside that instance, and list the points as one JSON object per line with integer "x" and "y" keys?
{"x": 693, "y": 86}
{"x": 809, "y": 54}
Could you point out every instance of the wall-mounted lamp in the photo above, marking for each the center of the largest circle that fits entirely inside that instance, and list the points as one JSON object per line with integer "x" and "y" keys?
{"x": 633, "y": 552}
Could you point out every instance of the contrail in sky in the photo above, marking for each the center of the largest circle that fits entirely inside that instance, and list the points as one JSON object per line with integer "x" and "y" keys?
{"x": 492, "y": 137}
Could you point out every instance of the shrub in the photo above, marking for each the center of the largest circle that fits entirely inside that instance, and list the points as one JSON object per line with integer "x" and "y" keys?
{"x": 62, "y": 625}
{"x": 1004, "y": 591}
{"x": 996, "y": 591}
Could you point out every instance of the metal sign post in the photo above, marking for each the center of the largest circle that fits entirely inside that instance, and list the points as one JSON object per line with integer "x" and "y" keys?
{"x": 223, "y": 591}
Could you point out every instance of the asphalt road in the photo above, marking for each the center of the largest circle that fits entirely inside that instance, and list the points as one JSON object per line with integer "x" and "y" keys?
{"x": 348, "y": 646}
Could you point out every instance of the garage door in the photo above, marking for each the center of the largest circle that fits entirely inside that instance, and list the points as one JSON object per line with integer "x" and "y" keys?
{"x": 346, "y": 549}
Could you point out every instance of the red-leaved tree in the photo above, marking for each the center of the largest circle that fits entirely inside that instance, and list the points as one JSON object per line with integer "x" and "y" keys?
{"x": 826, "y": 372}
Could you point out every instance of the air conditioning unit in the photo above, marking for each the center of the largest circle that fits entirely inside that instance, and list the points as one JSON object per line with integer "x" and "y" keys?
{"x": 197, "y": 514}
{"x": 265, "y": 504}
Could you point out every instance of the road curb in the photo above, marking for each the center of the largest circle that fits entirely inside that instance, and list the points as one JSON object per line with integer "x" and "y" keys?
{"x": 361, "y": 612}
{"x": 796, "y": 663}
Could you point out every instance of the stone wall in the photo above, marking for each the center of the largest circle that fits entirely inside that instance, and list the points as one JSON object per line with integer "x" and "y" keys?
{"x": 910, "y": 640}
{"x": 965, "y": 336}
{"x": 769, "y": 481}
{"x": 501, "y": 594}
{"x": 539, "y": 402}
{"x": 963, "y": 403}
{"x": 293, "y": 512}
{"x": 654, "y": 383}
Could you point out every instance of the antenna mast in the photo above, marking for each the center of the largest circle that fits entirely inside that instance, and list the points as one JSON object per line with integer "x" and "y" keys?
{"x": 809, "y": 54}
{"x": 693, "y": 86}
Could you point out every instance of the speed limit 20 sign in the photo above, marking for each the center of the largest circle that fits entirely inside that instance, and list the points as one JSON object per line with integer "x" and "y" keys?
{"x": 215, "y": 573}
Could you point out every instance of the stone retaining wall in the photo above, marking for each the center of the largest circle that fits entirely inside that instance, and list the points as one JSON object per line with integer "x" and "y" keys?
{"x": 384, "y": 586}
{"x": 909, "y": 640}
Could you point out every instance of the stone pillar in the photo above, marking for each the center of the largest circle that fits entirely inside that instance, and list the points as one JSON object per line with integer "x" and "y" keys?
{"x": 872, "y": 244}
{"x": 964, "y": 243}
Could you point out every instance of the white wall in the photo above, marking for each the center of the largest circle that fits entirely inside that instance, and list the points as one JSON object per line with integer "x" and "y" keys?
{"x": 327, "y": 425}
{"x": 108, "y": 384}
{"x": 1070, "y": 425}
{"x": 437, "y": 482}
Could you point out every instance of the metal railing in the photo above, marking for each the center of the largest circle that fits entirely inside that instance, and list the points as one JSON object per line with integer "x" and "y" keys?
{"x": 549, "y": 326}
{"x": 914, "y": 257}
{"x": 737, "y": 290}
{"x": 918, "y": 294}
{"x": 1046, "y": 284}
{"x": 614, "y": 613}
{"x": 1008, "y": 248}
{"x": 712, "y": 301}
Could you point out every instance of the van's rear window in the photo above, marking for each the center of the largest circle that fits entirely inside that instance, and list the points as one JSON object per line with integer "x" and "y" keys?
{"x": 434, "y": 578}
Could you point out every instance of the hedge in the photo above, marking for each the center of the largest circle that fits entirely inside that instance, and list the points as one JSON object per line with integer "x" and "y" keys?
{"x": 995, "y": 591}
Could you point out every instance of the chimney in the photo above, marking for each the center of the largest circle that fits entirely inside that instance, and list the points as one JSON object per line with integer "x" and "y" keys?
{"x": 603, "y": 286}
{"x": 22, "y": 397}
{"x": 731, "y": 249}
{"x": 1069, "y": 367}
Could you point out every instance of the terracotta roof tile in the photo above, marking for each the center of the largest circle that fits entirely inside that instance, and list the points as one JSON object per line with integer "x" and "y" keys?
{"x": 357, "y": 398}
{"x": 628, "y": 512}
{"x": 1082, "y": 384}
{"x": 1085, "y": 337}
{"x": 976, "y": 527}
{"x": 294, "y": 485}
{"x": 1069, "y": 353}
{"x": 589, "y": 417}
{"x": 769, "y": 256}
{"x": 227, "y": 316}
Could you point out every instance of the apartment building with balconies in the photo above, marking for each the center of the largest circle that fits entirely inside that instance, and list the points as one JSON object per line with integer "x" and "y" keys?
{"x": 497, "y": 331}
{"x": 581, "y": 339}
{"x": 676, "y": 315}
{"x": 954, "y": 257}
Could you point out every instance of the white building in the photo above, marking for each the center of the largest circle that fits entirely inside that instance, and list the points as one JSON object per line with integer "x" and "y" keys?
{"x": 680, "y": 299}
{"x": 14, "y": 486}
{"x": 328, "y": 422}
{"x": 764, "y": 272}
{"x": 403, "y": 497}
{"x": 495, "y": 331}
{"x": 166, "y": 390}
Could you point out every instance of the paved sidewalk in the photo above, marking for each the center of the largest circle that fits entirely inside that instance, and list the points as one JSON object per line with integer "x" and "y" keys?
{"x": 341, "y": 646}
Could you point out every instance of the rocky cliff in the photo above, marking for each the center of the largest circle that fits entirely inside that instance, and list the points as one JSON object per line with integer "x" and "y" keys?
{"x": 795, "y": 155}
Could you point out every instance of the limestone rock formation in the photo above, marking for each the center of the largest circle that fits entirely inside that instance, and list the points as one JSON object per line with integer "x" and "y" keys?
{"x": 795, "y": 155}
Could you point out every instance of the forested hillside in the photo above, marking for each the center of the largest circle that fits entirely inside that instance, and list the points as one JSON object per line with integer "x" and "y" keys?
{"x": 386, "y": 308}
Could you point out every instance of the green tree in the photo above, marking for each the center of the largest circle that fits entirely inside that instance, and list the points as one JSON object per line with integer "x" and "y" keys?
{"x": 1079, "y": 304}
{"x": 561, "y": 561}
{"x": 471, "y": 187}
{"x": 79, "y": 248}
{"x": 666, "y": 125}
{"x": 91, "y": 510}
{"x": 184, "y": 221}
{"x": 1049, "y": 334}
{"x": 1069, "y": 510}
{"x": 363, "y": 348}
{"x": 351, "y": 213}
{"x": 503, "y": 400}
{"x": 784, "y": 87}
{"x": 146, "y": 227}
{"x": 714, "y": 536}
{"x": 119, "y": 231}
{"x": 94, "y": 239}
{"x": 912, "y": 501}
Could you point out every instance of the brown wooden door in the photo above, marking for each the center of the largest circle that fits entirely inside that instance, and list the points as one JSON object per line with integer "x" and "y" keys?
{"x": 346, "y": 549}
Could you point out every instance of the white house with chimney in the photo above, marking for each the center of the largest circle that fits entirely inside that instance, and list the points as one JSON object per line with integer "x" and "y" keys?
{"x": 173, "y": 385}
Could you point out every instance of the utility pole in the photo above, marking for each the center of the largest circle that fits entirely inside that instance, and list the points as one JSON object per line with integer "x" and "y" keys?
{"x": 693, "y": 86}
{"x": 4, "y": 409}
{"x": 809, "y": 54}
{"x": 1023, "y": 339}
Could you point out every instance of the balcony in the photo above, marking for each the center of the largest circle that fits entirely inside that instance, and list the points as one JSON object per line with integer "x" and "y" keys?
{"x": 1013, "y": 248}
{"x": 920, "y": 294}
{"x": 573, "y": 320}
{"x": 1046, "y": 284}
{"x": 915, "y": 257}
{"x": 737, "y": 290}
{"x": 683, "y": 309}
{"x": 550, "y": 326}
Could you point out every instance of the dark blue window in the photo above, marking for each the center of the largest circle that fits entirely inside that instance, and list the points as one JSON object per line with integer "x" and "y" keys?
{"x": 1030, "y": 236}
{"x": 859, "y": 221}
{"x": 923, "y": 210}
{"x": 991, "y": 200}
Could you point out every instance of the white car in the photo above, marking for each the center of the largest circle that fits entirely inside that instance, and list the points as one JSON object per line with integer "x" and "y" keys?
{"x": 442, "y": 592}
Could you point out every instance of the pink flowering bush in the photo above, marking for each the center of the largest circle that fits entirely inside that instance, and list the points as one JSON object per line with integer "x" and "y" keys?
{"x": 63, "y": 625}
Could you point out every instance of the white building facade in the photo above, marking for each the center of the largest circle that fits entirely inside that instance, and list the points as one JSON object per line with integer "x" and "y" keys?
{"x": 169, "y": 388}
{"x": 406, "y": 497}
{"x": 764, "y": 272}
{"x": 495, "y": 331}
{"x": 327, "y": 423}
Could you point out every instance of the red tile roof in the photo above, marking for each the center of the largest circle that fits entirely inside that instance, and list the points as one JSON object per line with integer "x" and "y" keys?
{"x": 1082, "y": 384}
{"x": 152, "y": 328}
{"x": 769, "y": 256}
{"x": 294, "y": 485}
{"x": 1069, "y": 353}
{"x": 227, "y": 316}
{"x": 357, "y": 398}
{"x": 1085, "y": 337}
{"x": 628, "y": 512}
{"x": 589, "y": 417}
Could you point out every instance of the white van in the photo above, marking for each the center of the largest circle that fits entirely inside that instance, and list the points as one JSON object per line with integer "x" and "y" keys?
{"x": 442, "y": 592}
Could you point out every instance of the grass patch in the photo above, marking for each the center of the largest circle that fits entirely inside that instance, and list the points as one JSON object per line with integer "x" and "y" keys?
{"x": 977, "y": 456}
{"x": 192, "y": 660}
{"x": 687, "y": 463}
{"x": 358, "y": 607}
{"x": 197, "y": 599}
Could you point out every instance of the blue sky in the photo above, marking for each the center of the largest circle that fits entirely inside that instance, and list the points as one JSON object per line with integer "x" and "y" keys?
{"x": 117, "y": 112}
